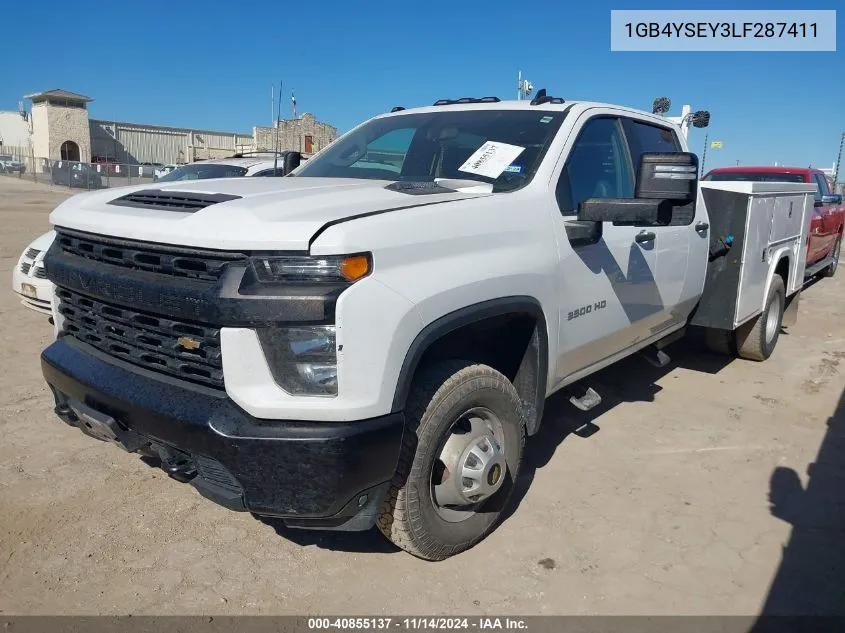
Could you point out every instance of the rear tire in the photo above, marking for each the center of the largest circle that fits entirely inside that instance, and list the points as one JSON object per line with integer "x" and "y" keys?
{"x": 756, "y": 340}
{"x": 451, "y": 408}
{"x": 830, "y": 271}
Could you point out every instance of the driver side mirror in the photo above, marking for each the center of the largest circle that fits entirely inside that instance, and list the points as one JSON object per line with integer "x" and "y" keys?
{"x": 664, "y": 180}
{"x": 834, "y": 198}
{"x": 291, "y": 161}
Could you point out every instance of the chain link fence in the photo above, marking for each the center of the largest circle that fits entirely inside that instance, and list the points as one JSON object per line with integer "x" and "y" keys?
{"x": 77, "y": 174}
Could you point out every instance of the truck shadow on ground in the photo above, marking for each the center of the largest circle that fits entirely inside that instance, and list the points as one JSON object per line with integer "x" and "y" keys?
{"x": 631, "y": 380}
{"x": 810, "y": 580}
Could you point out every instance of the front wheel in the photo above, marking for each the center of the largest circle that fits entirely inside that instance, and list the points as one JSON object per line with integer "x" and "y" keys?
{"x": 460, "y": 458}
{"x": 830, "y": 271}
{"x": 756, "y": 339}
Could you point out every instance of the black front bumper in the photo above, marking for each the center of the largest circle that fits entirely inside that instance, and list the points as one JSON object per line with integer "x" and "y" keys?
{"x": 330, "y": 475}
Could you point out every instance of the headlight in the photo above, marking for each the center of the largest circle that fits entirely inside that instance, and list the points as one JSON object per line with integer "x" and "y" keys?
{"x": 307, "y": 269}
{"x": 303, "y": 360}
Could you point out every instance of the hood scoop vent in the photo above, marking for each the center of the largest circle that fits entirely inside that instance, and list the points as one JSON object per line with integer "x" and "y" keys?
{"x": 179, "y": 201}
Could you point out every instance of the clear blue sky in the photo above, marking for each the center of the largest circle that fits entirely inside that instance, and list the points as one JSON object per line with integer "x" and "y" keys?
{"x": 210, "y": 64}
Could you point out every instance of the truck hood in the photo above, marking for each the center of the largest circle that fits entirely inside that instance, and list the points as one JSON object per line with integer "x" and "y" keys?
{"x": 269, "y": 213}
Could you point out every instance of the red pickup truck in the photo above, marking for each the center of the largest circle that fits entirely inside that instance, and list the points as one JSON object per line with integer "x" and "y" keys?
{"x": 828, "y": 215}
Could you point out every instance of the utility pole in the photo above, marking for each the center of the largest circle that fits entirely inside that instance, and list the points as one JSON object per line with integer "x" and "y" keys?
{"x": 704, "y": 154}
{"x": 273, "y": 102}
{"x": 838, "y": 161}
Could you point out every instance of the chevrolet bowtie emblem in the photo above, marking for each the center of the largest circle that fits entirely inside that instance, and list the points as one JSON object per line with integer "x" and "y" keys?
{"x": 187, "y": 343}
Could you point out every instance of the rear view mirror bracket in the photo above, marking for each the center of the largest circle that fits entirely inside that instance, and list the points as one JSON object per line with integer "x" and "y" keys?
{"x": 582, "y": 233}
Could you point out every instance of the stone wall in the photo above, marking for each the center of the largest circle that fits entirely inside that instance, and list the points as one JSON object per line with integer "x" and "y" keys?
{"x": 58, "y": 124}
{"x": 293, "y": 135}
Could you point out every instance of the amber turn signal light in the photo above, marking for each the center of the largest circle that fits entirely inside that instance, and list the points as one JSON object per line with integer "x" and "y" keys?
{"x": 355, "y": 267}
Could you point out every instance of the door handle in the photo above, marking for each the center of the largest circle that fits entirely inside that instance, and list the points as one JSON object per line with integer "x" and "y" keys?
{"x": 701, "y": 227}
{"x": 645, "y": 236}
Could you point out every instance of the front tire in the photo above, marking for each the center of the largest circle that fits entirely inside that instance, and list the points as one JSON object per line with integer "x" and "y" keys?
{"x": 462, "y": 419}
{"x": 830, "y": 271}
{"x": 756, "y": 339}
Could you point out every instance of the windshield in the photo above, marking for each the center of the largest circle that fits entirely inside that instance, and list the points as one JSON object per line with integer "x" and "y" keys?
{"x": 422, "y": 147}
{"x": 755, "y": 176}
{"x": 203, "y": 172}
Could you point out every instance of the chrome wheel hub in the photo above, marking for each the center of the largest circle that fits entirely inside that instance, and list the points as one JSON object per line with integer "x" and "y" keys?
{"x": 471, "y": 466}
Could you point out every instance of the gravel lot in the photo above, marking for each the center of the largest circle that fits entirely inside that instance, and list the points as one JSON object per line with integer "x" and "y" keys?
{"x": 657, "y": 504}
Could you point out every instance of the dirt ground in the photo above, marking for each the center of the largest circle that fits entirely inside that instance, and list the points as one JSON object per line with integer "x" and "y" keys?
{"x": 659, "y": 503}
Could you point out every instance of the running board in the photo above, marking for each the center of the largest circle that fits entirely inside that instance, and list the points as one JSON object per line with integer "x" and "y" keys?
{"x": 816, "y": 268}
{"x": 656, "y": 357}
{"x": 589, "y": 400}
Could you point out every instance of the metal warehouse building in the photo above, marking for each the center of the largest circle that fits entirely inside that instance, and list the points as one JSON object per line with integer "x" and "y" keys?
{"x": 59, "y": 128}
{"x": 139, "y": 143}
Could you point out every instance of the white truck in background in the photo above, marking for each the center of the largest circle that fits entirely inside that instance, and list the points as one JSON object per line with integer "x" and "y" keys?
{"x": 371, "y": 339}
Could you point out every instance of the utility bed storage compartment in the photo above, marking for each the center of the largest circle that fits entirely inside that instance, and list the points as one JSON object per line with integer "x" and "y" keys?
{"x": 752, "y": 226}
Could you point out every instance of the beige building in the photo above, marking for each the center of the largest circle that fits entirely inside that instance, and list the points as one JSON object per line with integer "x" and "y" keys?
{"x": 305, "y": 134}
{"x": 59, "y": 128}
{"x": 60, "y": 125}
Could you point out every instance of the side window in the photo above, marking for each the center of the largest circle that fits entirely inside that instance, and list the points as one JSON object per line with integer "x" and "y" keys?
{"x": 644, "y": 137}
{"x": 821, "y": 186}
{"x": 597, "y": 166}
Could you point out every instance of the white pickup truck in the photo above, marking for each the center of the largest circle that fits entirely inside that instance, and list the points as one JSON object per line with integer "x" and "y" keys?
{"x": 371, "y": 339}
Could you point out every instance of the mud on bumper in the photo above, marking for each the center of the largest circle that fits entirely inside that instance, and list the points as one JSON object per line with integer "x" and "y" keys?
{"x": 319, "y": 475}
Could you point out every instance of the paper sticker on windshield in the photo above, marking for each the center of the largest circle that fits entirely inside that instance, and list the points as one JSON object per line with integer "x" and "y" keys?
{"x": 513, "y": 169}
{"x": 546, "y": 119}
{"x": 491, "y": 159}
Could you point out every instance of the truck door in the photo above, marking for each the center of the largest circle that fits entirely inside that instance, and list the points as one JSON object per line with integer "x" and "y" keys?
{"x": 608, "y": 291}
{"x": 674, "y": 240}
{"x": 827, "y": 217}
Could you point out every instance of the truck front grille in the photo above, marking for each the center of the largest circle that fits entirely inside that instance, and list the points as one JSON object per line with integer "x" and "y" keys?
{"x": 170, "y": 260}
{"x": 186, "y": 350}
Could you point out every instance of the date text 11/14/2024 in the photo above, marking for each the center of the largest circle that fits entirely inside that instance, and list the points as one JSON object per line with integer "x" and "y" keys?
{"x": 416, "y": 624}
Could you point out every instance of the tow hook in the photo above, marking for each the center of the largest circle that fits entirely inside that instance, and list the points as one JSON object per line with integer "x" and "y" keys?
{"x": 65, "y": 414}
{"x": 178, "y": 465}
